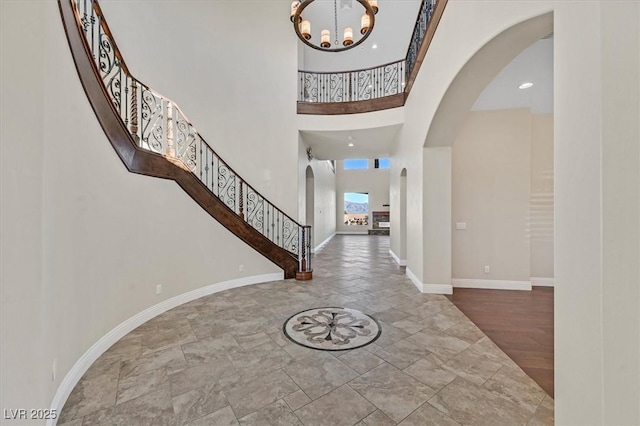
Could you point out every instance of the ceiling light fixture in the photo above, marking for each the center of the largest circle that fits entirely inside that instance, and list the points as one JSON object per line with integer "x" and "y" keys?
{"x": 351, "y": 145}
{"x": 525, "y": 85}
{"x": 375, "y": 46}
{"x": 302, "y": 26}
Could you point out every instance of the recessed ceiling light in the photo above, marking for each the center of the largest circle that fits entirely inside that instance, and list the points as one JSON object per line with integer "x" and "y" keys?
{"x": 351, "y": 144}
{"x": 375, "y": 46}
{"x": 525, "y": 85}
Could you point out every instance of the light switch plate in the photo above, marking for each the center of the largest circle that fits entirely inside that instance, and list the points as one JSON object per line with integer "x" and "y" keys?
{"x": 461, "y": 225}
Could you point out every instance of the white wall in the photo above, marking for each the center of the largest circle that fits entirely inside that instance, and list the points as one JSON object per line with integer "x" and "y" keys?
{"x": 226, "y": 81}
{"x": 491, "y": 187}
{"x": 324, "y": 215}
{"x": 84, "y": 242}
{"x": 542, "y": 197}
{"x": 25, "y": 361}
{"x": 373, "y": 181}
{"x": 597, "y": 305}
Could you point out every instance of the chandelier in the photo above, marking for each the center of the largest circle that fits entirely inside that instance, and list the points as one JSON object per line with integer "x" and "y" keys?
{"x": 302, "y": 26}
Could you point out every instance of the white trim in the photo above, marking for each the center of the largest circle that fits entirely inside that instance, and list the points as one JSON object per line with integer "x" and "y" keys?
{"x": 491, "y": 284}
{"x": 429, "y": 288}
{"x": 352, "y": 232}
{"x": 542, "y": 282}
{"x": 90, "y": 356}
{"x": 401, "y": 262}
{"x": 322, "y": 244}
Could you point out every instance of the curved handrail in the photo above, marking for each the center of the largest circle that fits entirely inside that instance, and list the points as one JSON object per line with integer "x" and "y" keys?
{"x": 382, "y": 81}
{"x": 157, "y": 125}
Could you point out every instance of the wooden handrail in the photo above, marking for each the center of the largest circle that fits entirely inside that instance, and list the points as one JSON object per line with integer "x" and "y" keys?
{"x": 113, "y": 109}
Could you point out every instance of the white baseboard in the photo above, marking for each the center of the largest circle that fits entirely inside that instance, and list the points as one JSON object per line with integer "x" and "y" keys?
{"x": 89, "y": 357}
{"x": 429, "y": 288}
{"x": 401, "y": 262}
{"x": 542, "y": 282}
{"x": 352, "y": 232}
{"x": 491, "y": 284}
{"x": 322, "y": 244}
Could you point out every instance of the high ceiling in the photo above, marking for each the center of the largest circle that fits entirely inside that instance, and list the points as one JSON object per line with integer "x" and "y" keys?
{"x": 534, "y": 64}
{"x": 391, "y": 34}
{"x": 367, "y": 143}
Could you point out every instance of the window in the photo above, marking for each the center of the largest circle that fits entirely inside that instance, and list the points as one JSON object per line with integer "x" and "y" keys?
{"x": 356, "y": 209}
{"x": 356, "y": 164}
{"x": 382, "y": 163}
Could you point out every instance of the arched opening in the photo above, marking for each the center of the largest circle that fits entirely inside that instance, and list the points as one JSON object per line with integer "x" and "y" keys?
{"x": 310, "y": 199}
{"x": 480, "y": 230}
{"x": 403, "y": 217}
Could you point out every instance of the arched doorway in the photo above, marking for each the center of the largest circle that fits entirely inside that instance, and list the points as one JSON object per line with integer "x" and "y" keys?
{"x": 403, "y": 217}
{"x": 310, "y": 199}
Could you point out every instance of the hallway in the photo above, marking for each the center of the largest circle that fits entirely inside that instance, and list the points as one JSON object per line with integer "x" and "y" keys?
{"x": 224, "y": 360}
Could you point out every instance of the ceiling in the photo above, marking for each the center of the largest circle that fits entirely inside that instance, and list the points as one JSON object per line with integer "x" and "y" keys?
{"x": 391, "y": 34}
{"x": 376, "y": 142}
{"x": 534, "y": 64}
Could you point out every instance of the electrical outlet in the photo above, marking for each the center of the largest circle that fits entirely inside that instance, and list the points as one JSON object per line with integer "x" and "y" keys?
{"x": 241, "y": 268}
{"x": 54, "y": 369}
{"x": 487, "y": 269}
{"x": 159, "y": 289}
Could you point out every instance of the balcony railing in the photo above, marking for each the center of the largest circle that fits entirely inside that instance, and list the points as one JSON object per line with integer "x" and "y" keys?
{"x": 370, "y": 84}
{"x": 349, "y": 86}
{"x": 157, "y": 125}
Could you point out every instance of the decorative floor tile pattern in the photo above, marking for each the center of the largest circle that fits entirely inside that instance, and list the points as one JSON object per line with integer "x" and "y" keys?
{"x": 332, "y": 329}
{"x": 224, "y": 360}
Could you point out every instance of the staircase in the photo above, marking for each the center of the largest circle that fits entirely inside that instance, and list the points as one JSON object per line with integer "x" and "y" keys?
{"x": 153, "y": 137}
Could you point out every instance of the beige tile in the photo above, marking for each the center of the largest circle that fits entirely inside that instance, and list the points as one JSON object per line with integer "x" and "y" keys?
{"x": 343, "y": 406}
{"x": 390, "y": 335}
{"x": 472, "y": 367}
{"x": 319, "y": 374}
{"x": 249, "y": 397}
{"x": 467, "y": 403}
{"x": 90, "y": 395}
{"x": 198, "y": 403}
{"x": 411, "y": 325}
{"x": 134, "y": 386}
{"x": 252, "y": 340}
{"x": 152, "y": 409}
{"x": 441, "y": 344}
{"x": 217, "y": 370}
{"x": 514, "y": 385}
{"x": 428, "y": 415}
{"x": 429, "y": 371}
{"x": 260, "y": 360}
{"x": 172, "y": 359}
{"x": 165, "y": 339}
{"x": 209, "y": 348}
{"x": 403, "y": 353}
{"x": 395, "y": 393}
{"x": 360, "y": 360}
{"x": 466, "y": 331}
{"x": 378, "y": 418}
{"x": 222, "y": 417}
{"x": 544, "y": 415}
{"x": 277, "y": 413}
{"x": 297, "y": 399}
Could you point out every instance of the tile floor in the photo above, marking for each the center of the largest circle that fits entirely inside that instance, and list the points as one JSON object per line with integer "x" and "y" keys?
{"x": 223, "y": 359}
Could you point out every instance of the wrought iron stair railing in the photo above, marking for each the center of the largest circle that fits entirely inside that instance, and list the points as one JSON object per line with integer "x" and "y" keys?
{"x": 394, "y": 79}
{"x": 157, "y": 125}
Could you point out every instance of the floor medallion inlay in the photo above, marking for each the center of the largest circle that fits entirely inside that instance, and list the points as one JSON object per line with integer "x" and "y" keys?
{"x": 332, "y": 329}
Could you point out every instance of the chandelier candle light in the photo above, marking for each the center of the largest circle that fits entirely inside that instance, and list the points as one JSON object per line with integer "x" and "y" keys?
{"x": 302, "y": 26}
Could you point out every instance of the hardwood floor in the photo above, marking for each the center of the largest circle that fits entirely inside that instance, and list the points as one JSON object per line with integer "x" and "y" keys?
{"x": 519, "y": 322}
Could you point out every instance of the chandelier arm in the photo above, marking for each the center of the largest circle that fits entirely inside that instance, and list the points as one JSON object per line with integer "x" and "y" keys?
{"x": 297, "y": 18}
